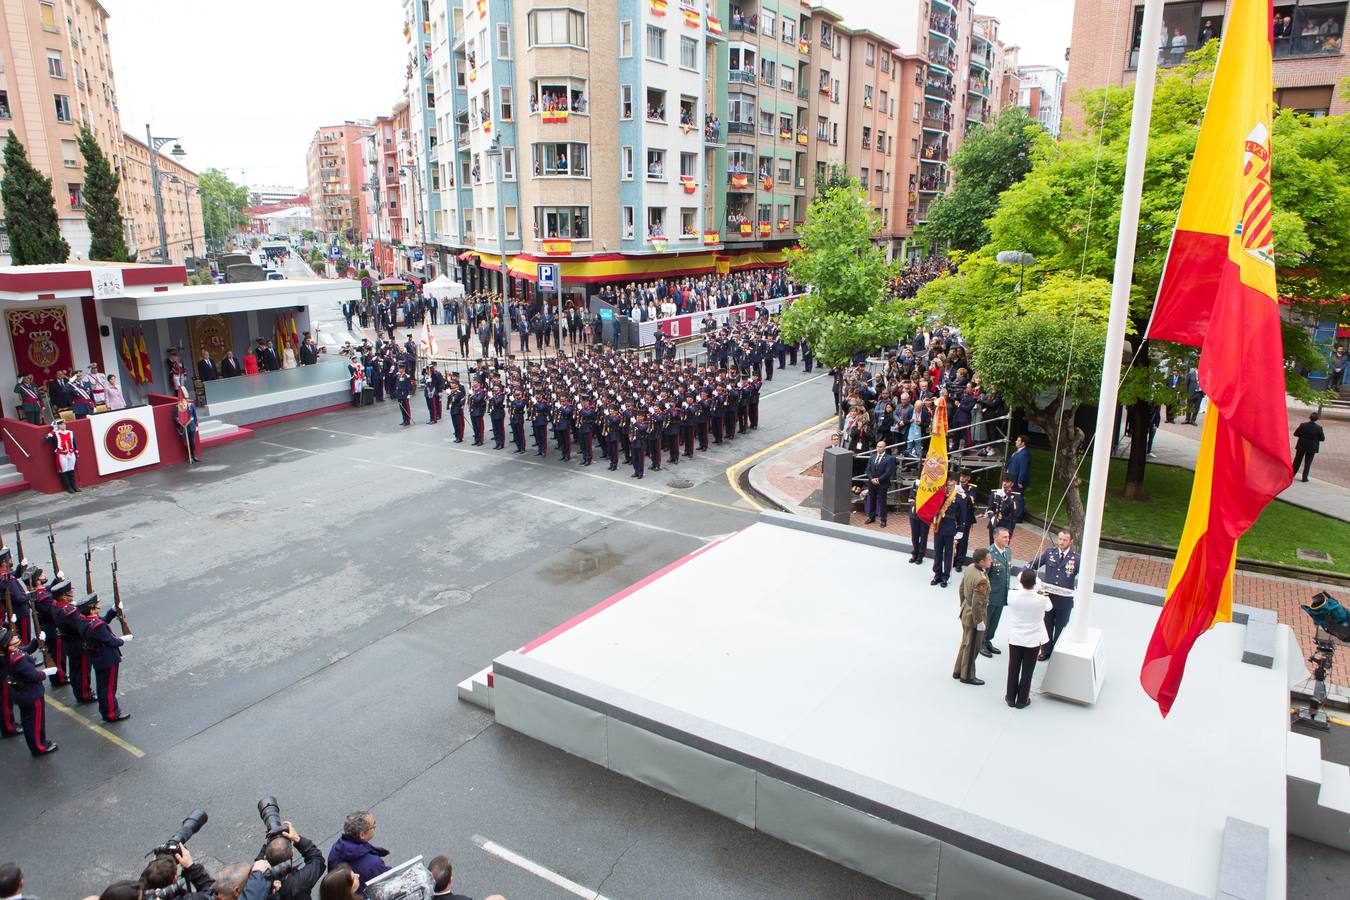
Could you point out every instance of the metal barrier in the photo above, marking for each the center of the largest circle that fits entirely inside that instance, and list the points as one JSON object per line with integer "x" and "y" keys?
{"x": 967, "y": 459}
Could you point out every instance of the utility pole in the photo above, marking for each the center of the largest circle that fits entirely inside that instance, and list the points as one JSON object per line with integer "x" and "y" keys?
{"x": 153, "y": 144}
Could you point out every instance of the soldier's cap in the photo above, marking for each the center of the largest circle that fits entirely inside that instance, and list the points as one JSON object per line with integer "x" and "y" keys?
{"x": 5, "y": 635}
{"x": 87, "y": 603}
{"x": 20, "y": 569}
{"x": 33, "y": 574}
{"x": 5, "y": 554}
{"x": 59, "y": 587}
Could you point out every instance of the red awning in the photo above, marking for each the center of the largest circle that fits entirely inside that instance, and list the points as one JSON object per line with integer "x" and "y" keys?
{"x": 466, "y": 256}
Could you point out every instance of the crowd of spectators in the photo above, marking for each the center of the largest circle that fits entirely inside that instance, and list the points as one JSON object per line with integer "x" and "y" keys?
{"x": 918, "y": 273}
{"x": 287, "y": 867}
{"x": 665, "y": 297}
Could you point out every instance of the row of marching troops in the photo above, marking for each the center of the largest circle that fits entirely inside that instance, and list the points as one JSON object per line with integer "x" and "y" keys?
{"x": 643, "y": 411}
{"x": 78, "y": 648}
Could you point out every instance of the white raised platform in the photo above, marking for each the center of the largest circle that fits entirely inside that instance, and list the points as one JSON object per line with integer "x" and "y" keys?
{"x": 800, "y": 683}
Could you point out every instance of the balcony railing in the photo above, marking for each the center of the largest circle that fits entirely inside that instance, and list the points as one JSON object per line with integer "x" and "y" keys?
{"x": 944, "y": 25}
{"x": 938, "y": 89}
{"x": 938, "y": 123}
{"x": 933, "y": 154}
{"x": 741, "y": 22}
{"x": 741, "y": 76}
{"x": 740, "y": 128}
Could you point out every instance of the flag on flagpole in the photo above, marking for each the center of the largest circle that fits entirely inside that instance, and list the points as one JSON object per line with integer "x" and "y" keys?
{"x": 295, "y": 335}
{"x": 142, "y": 357}
{"x": 1218, "y": 294}
{"x": 127, "y": 362}
{"x": 932, "y": 487}
{"x": 428, "y": 341}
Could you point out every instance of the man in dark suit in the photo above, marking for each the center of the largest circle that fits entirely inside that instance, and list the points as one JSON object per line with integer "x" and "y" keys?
{"x": 1194, "y": 394}
{"x": 1308, "y": 437}
{"x": 229, "y": 366}
{"x": 1019, "y": 465}
{"x": 880, "y": 471}
{"x": 206, "y": 368}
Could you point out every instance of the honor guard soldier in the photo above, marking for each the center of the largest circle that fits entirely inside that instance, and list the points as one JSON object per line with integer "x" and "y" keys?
{"x": 46, "y": 617}
{"x": 637, "y": 443}
{"x": 562, "y": 427}
{"x": 654, "y": 437}
{"x": 477, "y": 407}
{"x": 963, "y": 507}
{"x": 700, "y": 413}
{"x": 586, "y": 417}
{"x": 687, "y": 425}
{"x": 497, "y": 417}
{"x": 16, "y": 598}
{"x": 63, "y": 445}
{"x": 752, "y": 408}
{"x": 609, "y": 435}
{"x": 539, "y": 422}
{"x": 72, "y": 641}
{"x": 455, "y": 397}
{"x": 670, "y": 433}
{"x": 105, "y": 656}
{"x": 944, "y": 538}
{"x": 518, "y": 421}
{"x": 30, "y": 402}
{"x": 918, "y": 533}
{"x": 403, "y": 394}
{"x": 1005, "y": 508}
{"x": 1061, "y": 563}
{"x": 26, "y": 691}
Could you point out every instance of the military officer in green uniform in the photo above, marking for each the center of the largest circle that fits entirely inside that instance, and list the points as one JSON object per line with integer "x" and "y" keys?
{"x": 974, "y": 591}
{"x": 1000, "y": 572}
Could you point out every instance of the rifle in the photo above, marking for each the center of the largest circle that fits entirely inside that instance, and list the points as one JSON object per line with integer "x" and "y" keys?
{"x": 88, "y": 574}
{"x": 51, "y": 545}
{"x": 18, "y": 535}
{"x": 117, "y": 598}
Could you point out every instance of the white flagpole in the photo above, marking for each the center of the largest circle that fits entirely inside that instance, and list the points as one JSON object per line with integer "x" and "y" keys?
{"x": 1120, "y": 311}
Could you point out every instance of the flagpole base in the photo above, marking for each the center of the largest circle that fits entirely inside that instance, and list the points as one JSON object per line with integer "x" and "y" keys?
{"x": 1076, "y": 669}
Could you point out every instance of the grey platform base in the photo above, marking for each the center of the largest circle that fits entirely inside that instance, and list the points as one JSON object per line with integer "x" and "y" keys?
{"x": 827, "y": 716}
{"x": 281, "y": 407}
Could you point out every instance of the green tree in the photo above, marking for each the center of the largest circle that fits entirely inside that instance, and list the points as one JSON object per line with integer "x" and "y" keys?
{"x": 836, "y": 176}
{"x": 102, "y": 206}
{"x": 989, "y": 162}
{"x": 223, "y": 204}
{"x": 30, "y": 210}
{"x": 845, "y": 311}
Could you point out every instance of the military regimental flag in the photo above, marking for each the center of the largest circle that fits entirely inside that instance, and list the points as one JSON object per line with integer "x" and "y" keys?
{"x": 1218, "y": 294}
{"x": 127, "y": 362}
{"x": 428, "y": 339}
{"x": 932, "y": 487}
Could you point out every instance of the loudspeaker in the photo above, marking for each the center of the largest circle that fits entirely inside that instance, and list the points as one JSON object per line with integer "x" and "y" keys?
{"x": 104, "y": 330}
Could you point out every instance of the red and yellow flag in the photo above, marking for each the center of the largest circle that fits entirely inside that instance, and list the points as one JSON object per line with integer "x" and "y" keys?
{"x": 127, "y": 362}
{"x": 295, "y": 334}
{"x": 1218, "y": 293}
{"x": 932, "y": 487}
{"x": 142, "y": 358}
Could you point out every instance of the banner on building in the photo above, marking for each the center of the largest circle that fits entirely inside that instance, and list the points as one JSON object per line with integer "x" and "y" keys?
{"x": 41, "y": 341}
{"x": 125, "y": 439}
{"x": 209, "y": 333}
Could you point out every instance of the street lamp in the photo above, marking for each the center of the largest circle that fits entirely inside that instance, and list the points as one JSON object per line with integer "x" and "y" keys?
{"x": 494, "y": 152}
{"x": 1022, "y": 260}
{"x": 154, "y": 143}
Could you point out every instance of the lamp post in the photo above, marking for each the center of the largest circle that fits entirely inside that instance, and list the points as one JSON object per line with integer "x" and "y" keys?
{"x": 1022, "y": 260}
{"x": 154, "y": 143}
{"x": 494, "y": 152}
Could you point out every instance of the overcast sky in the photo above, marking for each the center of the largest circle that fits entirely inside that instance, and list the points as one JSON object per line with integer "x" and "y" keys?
{"x": 244, "y": 85}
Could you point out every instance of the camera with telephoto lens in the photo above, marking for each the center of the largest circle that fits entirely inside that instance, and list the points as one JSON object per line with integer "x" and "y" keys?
{"x": 270, "y": 813}
{"x": 179, "y": 888}
{"x": 281, "y": 870}
{"x": 191, "y": 825}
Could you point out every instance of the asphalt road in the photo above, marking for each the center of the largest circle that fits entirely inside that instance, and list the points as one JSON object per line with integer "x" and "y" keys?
{"x": 304, "y": 604}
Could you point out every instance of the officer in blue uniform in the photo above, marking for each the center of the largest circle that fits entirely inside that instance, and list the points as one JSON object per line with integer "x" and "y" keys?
{"x": 105, "y": 656}
{"x": 1061, "y": 564}
{"x": 477, "y": 407}
{"x": 72, "y": 641}
{"x": 539, "y": 422}
{"x": 638, "y": 436}
{"x": 610, "y": 429}
{"x": 1005, "y": 507}
{"x": 945, "y": 527}
{"x": 918, "y": 534}
{"x": 497, "y": 416}
{"x": 586, "y": 417}
{"x": 518, "y": 421}
{"x": 963, "y": 507}
{"x": 25, "y": 681}
{"x": 455, "y": 396}
{"x": 403, "y": 394}
{"x": 563, "y": 411}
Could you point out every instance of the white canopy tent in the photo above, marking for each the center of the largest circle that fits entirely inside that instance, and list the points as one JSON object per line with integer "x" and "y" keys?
{"x": 443, "y": 287}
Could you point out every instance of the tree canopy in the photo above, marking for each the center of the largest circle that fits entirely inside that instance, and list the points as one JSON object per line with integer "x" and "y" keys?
{"x": 990, "y": 161}
{"x": 31, "y": 221}
{"x": 102, "y": 205}
{"x": 223, "y": 204}
{"x": 845, "y": 312}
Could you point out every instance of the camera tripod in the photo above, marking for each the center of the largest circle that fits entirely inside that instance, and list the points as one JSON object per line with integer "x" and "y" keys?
{"x": 1314, "y": 716}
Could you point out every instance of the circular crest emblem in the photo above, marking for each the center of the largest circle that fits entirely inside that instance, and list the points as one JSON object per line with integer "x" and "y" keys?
{"x": 126, "y": 440}
{"x": 42, "y": 350}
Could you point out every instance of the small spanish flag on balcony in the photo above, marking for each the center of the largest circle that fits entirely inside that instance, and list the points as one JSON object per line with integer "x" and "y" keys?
{"x": 659, "y": 244}
{"x": 691, "y": 18}
{"x": 784, "y": 134}
{"x": 766, "y": 182}
{"x": 782, "y": 224}
{"x": 711, "y": 237}
{"x": 473, "y": 74}
{"x": 714, "y": 25}
{"x": 740, "y": 180}
{"x": 482, "y": 7}
{"x": 686, "y": 127}
{"x": 804, "y": 46}
{"x": 765, "y": 229}
{"x": 688, "y": 183}
{"x": 747, "y": 229}
{"x": 555, "y": 247}
{"x": 555, "y": 116}
{"x": 801, "y": 138}
{"x": 487, "y": 126}
{"x": 658, "y": 7}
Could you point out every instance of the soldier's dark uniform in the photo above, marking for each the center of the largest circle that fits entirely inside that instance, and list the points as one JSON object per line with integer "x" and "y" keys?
{"x": 477, "y": 406}
{"x": 497, "y": 417}
{"x": 540, "y": 424}
{"x": 105, "y": 656}
{"x": 25, "y": 682}
{"x": 1058, "y": 578}
{"x": 403, "y": 394}
{"x": 518, "y": 422}
{"x": 455, "y": 399}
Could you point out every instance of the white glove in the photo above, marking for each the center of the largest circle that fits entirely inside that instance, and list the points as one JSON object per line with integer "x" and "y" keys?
{"x": 49, "y": 672}
{"x": 42, "y": 635}
{"x": 960, "y": 534}
{"x": 126, "y": 638}
{"x": 979, "y": 626}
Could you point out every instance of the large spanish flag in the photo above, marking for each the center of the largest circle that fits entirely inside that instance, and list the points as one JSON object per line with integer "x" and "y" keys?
{"x": 932, "y": 487}
{"x": 1218, "y": 293}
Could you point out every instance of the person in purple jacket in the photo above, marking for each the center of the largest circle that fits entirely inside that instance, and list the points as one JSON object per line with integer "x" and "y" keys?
{"x": 355, "y": 850}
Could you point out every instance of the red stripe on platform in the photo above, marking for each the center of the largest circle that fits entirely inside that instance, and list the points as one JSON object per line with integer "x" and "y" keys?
{"x": 300, "y": 415}
{"x": 606, "y": 604}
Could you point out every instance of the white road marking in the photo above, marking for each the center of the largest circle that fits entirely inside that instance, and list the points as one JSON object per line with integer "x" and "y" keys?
{"x": 534, "y": 868}
{"x": 493, "y": 487}
{"x": 793, "y": 387}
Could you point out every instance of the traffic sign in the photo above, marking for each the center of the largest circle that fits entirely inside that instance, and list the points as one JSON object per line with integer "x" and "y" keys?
{"x": 548, "y": 276}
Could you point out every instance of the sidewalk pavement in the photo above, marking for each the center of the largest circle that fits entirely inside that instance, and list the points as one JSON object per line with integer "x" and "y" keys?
{"x": 791, "y": 478}
{"x": 1327, "y": 490}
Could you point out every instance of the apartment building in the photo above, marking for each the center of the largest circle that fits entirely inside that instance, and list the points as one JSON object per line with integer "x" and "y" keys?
{"x": 1309, "y": 59}
{"x": 334, "y": 169}
{"x": 56, "y": 72}
{"x": 419, "y": 142}
{"x": 182, "y": 203}
{"x": 828, "y": 97}
{"x": 382, "y": 229}
{"x": 1041, "y": 89}
{"x": 872, "y": 122}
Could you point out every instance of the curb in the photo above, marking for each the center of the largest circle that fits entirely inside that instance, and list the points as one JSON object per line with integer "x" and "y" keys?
{"x": 758, "y": 484}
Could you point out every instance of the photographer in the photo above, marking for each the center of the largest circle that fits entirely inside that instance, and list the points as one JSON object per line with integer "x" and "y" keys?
{"x": 162, "y": 871}
{"x": 279, "y": 850}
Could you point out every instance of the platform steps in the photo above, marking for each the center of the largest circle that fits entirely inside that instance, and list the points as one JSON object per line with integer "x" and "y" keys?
{"x": 210, "y": 430}
{"x": 477, "y": 689}
{"x": 9, "y": 473}
{"x": 1318, "y": 794}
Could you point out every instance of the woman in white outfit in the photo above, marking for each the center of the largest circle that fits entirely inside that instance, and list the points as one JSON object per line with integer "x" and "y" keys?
{"x": 1024, "y": 620}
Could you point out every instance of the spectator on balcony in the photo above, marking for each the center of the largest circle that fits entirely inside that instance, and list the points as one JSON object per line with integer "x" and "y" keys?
{"x": 1179, "y": 44}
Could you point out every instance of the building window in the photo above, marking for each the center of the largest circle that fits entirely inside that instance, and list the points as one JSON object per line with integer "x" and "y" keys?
{"x": 822, "y": 128}
{"x": 789, "y": 32}
{"x": 563, "y": 222}
{"x": 1309, "y": 29}
{"x": 625, "y": 39}
{"x": 656, "y": 44}
{"x": 68, "y": 154}
{"x": 62, "y": 108}
{"x": 688, "y": 165}
{"x": 656, "y": 221}
{"x": 1186, "y": 27}
{"x": 549, "y": 94}
{"x": 767, "y": 71}
{"x": 503, "y": 42}
{"x": 76, "y": 195}
{"x": 885, "y": 104}
{"x": 47, "y": 12}
{"x": 788, "y": 75}
{"x": 56, "y": 66}
{"x": 504, "y": 99}
{"x": 626, "y": 163}
{"x": 784, "y": 174}
{"x": 656, "y": 165}
{"x": 765, "y": 122}
{"x": 1307, "y": 101}
{"x": 628, "y": 223}
{"x": 656, "y": 105}
{"x": 556, "y": 28}
{"x": 625, "y": 101}
{"x": 766, "y": 23}
{"x": 688, "y": 53}
{"x": 885, "y": 62}
{"x": 512, "y": 221}
{"x": 508, "y": 163}
{"x": 688, "y": 222}
{"x": 555, "y": 159}
{"x": 4, "y": 105}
